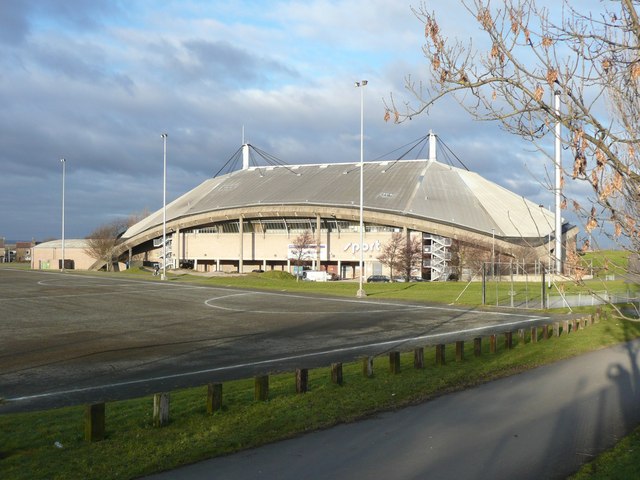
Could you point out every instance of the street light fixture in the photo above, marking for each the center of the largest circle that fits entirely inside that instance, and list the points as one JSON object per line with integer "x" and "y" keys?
{"x": 64, "y": 163}
{"x": 164, "y": 209}
{"x": 361, "y": 293}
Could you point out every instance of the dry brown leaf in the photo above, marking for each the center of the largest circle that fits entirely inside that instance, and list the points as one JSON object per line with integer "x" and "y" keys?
{"x": 538, "y": 93}
{"x": 592, "y": 223}
{"x": 484, "y": 17}
{"x": 579, "y": 165}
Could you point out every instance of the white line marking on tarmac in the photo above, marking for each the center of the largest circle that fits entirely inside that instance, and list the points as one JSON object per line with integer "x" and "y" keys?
{"x": 209, "y": 303}
{"x": 401, "y": 306}
{"x": 274, "y": 360}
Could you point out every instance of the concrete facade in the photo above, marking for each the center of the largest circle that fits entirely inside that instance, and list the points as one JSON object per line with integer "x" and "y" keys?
{"x": 48, "y": 255}
{"x": 339, "y": 252}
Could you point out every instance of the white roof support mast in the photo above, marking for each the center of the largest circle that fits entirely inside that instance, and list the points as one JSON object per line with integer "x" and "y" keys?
{"x": 245, "y": 152}
{"x": 245, "y": 156}
{"x": 432, "y": 146}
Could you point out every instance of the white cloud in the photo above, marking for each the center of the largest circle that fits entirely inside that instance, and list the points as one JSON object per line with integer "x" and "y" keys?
{"x": 97, "y": 85}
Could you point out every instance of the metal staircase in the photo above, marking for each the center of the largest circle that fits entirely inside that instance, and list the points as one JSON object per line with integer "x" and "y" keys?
{"x": 436, "y": 256}
{"x": 168, "y": 262}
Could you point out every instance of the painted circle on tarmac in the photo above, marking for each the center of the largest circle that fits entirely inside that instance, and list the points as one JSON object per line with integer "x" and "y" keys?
{"x": 291, "y": 304}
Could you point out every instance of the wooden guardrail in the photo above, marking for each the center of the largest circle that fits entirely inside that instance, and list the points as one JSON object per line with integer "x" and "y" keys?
{"x": 95, "y": 418}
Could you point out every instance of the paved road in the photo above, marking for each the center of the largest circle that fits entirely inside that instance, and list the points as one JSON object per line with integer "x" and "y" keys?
{"x": 70, "y": 339}
{"x": 542, "y": 424}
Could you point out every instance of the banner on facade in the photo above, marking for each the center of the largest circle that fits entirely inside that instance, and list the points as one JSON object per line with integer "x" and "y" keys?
{"x": 309, "y": 253}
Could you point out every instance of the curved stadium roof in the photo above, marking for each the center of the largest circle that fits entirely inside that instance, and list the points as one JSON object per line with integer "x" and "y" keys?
{"x": 423, "y": 189}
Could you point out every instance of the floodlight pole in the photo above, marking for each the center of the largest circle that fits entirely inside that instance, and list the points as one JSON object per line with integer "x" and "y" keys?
{"x": 361, "y": 293}
{"x": 549, "y": 279}
{"x": 493, "y": 252}
{"x": 558, "y": 187}
{"x": 164, "y": 209}
{"x": 64, "y": 163}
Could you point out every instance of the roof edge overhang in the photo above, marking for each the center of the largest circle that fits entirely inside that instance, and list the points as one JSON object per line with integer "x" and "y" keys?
{"x": 371, "y": 215}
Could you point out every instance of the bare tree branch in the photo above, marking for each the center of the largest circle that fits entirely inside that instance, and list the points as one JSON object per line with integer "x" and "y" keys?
{"x": 523, "y": 58}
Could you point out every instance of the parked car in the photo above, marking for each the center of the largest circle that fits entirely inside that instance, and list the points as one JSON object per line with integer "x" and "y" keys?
{"x": 378, "y": 278}
{"x": 316, "y": 276}
{"x": 399, "y": 278}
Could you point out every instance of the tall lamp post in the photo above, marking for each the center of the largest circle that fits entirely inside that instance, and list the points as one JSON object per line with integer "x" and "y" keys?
{"x": 64, "y": 162}
{"x": 361, "y": 84}
{"x": 164, "y": 208}
{"x": 558, "y": 185}
{"x": 493, "y": 252}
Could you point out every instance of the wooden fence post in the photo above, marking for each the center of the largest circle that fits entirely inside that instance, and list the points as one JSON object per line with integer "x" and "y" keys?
{"x": 261, "y": 388}
{"x": 394, "y": 362}
{"x": 367, "y": 367}
{"x": 477, "y": 346}
{"x": 508, "y": 340}
{"x": 556, "y": 329}
{"x": 214, "y": 398}
{"x": 493, "y": 343}
{"x": 94, "y": 422}
{"x": 302, "y": 380}
{"x": 459, "y": 350}
{"x": 565, "y": 326}
{"x": 440, "y": 360}
{"x": 545, "y": 332}
{"x": 521, "y": 334}
{"x": 161, "y": 404}
{"x": 534, "y": 334}
{"x": 336, "y": 373}
{"x": 418, "y": 358}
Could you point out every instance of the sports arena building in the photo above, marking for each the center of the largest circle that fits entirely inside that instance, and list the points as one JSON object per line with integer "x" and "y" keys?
{"x": 248, "y": 219}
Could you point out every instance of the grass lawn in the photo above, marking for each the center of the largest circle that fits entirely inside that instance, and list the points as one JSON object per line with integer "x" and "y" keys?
{"x": 459, "y": 293}
{"x": 606, "y": 262}
{"x": 133, "y": 447}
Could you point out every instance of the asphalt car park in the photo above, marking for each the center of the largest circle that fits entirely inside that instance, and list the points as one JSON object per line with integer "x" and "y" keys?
{"x": 72, "y": 338}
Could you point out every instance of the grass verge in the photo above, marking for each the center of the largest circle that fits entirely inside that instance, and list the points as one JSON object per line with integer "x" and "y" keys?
{"x": 459, "y": 293}
{"x": 621, "y": 462}
{"x": 50, "y": 444}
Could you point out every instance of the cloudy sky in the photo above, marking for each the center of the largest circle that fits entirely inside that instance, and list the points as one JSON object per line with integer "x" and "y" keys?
{"x": 98, "y": 81}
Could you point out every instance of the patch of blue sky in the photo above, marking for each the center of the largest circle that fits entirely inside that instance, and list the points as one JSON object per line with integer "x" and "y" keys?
{"x": 256, "y": 13}
{"x": 76, "y": 16}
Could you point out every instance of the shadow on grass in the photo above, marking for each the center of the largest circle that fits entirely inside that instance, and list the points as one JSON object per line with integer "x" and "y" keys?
{"x": 395, "y": 290}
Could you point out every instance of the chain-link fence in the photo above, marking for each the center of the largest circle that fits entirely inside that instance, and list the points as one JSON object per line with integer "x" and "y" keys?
{"x": 522, "y": 285}
{"x": 516, "y": 285}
